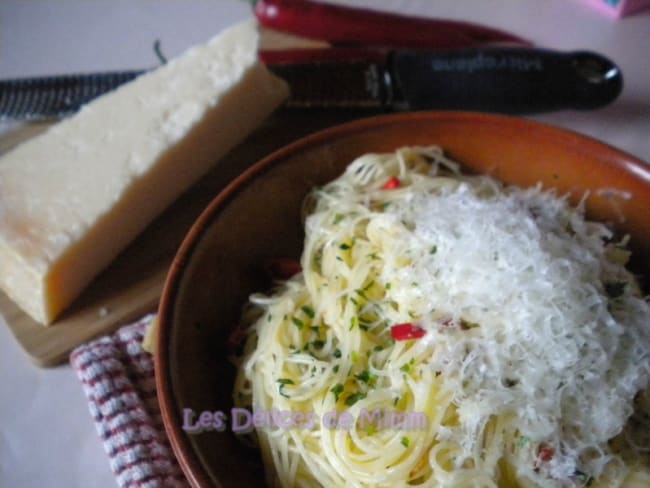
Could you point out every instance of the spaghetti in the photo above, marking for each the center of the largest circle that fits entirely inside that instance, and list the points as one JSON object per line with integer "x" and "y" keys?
{"x": 447, "y": 330}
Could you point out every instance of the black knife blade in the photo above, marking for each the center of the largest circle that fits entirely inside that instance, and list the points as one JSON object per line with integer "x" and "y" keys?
{"x": 506, "y": 80}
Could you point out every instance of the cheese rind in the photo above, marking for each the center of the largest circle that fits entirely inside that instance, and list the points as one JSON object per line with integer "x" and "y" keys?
{"x": 74, "y": 197}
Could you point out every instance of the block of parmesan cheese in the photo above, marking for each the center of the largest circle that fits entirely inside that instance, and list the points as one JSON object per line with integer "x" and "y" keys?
{"x": 74, "y": 197}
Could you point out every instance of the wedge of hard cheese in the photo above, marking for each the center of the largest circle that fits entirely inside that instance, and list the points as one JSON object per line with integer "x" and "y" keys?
{"x": 75, "y": 196}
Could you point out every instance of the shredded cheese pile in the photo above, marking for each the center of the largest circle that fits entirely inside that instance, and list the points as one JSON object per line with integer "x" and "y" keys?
{"x": 532, "y": 337}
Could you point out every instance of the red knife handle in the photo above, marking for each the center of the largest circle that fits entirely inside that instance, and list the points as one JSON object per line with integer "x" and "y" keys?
{"x": 351, "y": 26}
{"x": 316, "y": 55}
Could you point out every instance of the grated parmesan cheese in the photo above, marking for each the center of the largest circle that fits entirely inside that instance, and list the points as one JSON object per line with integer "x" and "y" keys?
{"x": 549, "y": 345}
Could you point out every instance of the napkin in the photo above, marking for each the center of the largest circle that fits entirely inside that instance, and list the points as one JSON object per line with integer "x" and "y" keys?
{"x": 117, "y": 376}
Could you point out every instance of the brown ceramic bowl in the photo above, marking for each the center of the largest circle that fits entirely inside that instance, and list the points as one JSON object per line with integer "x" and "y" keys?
{"x": 257, "y": 217}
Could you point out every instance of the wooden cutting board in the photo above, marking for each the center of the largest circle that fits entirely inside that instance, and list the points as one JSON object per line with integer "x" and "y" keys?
{"x": 132, "y": 284}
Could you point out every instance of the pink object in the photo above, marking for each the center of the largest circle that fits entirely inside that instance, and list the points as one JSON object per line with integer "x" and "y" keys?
{"x": 117, "y": 376}
{"x": 620, "y": 8}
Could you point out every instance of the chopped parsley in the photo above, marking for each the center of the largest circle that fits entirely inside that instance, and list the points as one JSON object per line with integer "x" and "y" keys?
{"x": 354, "y": 398}
{"x": 308, "y": 311}
{"x": 405, "y": 441}
{"x": 583, "y": 478}
{"x": 407, "y": 367}
{"x": 282, "y": 383}
{"x": 318, "y": 344}
{"x": 354, "y": 321}
{"x": 366, "y": 377}
{"x": 337, "y": 390}
{"x": 466, "y": 324}
{"x": 297, "y": 322}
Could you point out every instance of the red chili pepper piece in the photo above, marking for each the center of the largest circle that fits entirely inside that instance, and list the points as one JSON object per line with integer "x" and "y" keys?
{"x": 282, "y": 268}
{"x": 325, "y": 54}
{"x": 544, "y": 453}
{"x": 341, "y": 25}
{"x": 392, "y": 183}
{"x": 406, "y": 331}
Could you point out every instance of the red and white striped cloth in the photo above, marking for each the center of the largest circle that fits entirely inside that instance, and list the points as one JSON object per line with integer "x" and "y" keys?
{"x": 117, "y": 376}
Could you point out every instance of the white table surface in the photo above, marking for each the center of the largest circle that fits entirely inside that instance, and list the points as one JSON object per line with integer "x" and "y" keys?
{"x": 47, "y": 438}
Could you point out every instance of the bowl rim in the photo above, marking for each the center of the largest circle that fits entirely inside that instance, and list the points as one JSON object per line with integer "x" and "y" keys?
{"x": 187, "y": 458}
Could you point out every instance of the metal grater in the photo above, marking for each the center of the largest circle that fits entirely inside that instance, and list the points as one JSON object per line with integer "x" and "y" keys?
{"x": 56, "y": 96}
